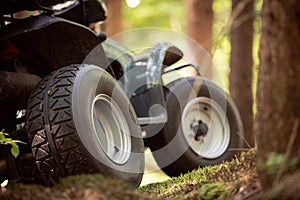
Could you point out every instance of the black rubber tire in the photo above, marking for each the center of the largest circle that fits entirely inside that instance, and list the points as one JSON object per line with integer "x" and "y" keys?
{"x": 60, "y": 126}
{"x": 169, "y": 147}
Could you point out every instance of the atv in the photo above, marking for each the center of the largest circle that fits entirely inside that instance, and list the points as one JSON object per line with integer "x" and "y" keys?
{"x": 84, "y": 103}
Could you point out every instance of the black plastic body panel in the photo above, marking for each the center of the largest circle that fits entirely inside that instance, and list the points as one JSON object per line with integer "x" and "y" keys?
{"x": 53, "y": 41}
{"x": 143, "y": 102}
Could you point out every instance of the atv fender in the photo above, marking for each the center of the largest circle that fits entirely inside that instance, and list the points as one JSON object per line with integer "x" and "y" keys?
{"x": 144, "y": 83}
{"x": 55, "y": 41}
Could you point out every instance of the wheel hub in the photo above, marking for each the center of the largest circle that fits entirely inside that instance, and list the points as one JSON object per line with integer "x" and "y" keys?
{"x": 111, "y": 129}
{"x": 200, "y": 129}
{"x": 205, "y": 127}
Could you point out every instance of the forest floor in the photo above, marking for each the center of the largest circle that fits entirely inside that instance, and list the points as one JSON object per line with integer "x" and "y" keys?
{"x": 237, "y": 179}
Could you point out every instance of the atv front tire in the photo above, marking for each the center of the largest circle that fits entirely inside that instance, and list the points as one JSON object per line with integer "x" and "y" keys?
{"x": 80, "y": 121}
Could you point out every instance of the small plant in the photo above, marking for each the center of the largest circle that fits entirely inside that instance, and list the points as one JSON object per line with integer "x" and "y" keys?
{"x": 14, "y": 148}
{"x": 5, "y": 141}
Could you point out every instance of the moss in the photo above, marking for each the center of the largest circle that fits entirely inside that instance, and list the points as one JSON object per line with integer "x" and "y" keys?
{"x": 213, "y": 191}
{"x": 210, "y": 182}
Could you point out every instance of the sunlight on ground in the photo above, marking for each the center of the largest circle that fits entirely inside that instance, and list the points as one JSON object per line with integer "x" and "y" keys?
{"x": 152, "y": 172}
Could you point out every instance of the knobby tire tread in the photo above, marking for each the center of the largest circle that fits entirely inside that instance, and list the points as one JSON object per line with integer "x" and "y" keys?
{"x": 55, "y": 144}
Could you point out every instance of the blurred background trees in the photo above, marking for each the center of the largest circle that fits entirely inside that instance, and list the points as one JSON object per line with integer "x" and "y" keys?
{"x": 114, "y": 21}
{"x": 241, "y": 63}
{"x": 199, "y": 24}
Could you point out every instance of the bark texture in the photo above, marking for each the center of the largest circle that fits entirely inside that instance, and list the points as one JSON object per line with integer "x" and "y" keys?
{"x": 241, "y": 63}
{"x": 199, "y": 27}
{"x": 114, "y": 23}
{"x": 278, "y": 111}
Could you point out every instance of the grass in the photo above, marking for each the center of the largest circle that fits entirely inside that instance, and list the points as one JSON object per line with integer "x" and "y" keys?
{"x": 211, "y": 182}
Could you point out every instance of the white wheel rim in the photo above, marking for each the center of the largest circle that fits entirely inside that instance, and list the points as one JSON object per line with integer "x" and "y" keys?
{"x": 216, "y": 141}
{"x": 111, "y": 128}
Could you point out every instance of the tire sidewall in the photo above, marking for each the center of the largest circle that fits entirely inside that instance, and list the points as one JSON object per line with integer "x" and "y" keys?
{"x": 180, "y": 92}
{"x": 91, "y": 81}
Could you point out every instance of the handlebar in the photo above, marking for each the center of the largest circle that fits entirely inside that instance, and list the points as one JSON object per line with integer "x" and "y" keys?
{"x": 13, "y": 6}
{"x": 80, "y": 11}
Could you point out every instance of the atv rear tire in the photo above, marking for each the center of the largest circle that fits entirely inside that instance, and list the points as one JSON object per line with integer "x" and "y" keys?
{"x": 204, "y": 127}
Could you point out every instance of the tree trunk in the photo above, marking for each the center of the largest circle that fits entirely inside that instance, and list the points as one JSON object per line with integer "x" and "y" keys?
{"x": 113, "y": 23}
{"x": 199, "y": 27}
{"x": 241, "y": 62}
{"x": 278, "y": 111}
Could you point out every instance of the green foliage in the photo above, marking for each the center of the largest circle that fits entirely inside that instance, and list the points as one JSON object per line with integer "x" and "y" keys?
{"x": 152, "y": 13}
{"x": 221, "y": 38}
{"x": 213, "y": 191}
{"x": 162, "y": 15}
{"x": 275, "y": 161}
{"x": 5, "y": 141}
{"x": 221, "y": 42}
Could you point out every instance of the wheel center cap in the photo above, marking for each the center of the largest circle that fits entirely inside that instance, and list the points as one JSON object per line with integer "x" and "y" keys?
{"x": 200, "y": 129}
